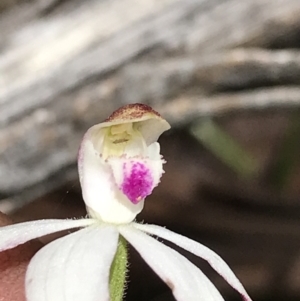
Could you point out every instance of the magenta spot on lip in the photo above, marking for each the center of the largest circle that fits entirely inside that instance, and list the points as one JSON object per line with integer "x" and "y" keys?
{"x": 138, "y": 181}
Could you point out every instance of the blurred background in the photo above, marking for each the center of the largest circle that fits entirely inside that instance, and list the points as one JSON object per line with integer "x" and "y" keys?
{"x": 224, "y": 73}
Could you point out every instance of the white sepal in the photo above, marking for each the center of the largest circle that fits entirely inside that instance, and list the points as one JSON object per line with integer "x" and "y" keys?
{"x": 73, "y": 268}
{"x": 17, "y": 234}
{"x": 185, "y": 280}
{"x": 200, "y": 250}
{"x": 147, "y": 121}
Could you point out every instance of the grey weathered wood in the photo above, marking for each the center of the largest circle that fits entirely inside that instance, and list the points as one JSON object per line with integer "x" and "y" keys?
{"x": 67, "y": 69}
{"x": 50, "y": 56}
{"x": 187, "y": 108}
{"x": 208, "y": 74}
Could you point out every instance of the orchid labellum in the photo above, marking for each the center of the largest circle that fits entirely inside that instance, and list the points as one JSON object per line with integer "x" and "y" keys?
{"x": 119, "y": 165}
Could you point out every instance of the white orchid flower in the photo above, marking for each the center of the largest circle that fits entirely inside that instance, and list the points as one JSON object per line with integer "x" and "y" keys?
{"x": 119, "y": 165}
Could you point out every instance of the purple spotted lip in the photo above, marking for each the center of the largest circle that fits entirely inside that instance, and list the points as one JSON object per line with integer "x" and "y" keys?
{"x": 138, "y": 181}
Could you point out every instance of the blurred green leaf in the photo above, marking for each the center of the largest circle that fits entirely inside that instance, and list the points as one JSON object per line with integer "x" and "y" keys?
{"x": 223, "y": 146}
{"x": 288, "y": 155}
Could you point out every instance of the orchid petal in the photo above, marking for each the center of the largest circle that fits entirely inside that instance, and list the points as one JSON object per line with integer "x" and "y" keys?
{"x": 200, "y": 250}
{"x": 186, "y": 281}
{"x": 17, "y": 234}
{"x": 73, "y": 268}
{"x": 101, "y": 195}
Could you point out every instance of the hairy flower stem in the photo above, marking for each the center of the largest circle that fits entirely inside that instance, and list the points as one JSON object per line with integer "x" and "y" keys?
{"x": 118, "y": 270}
